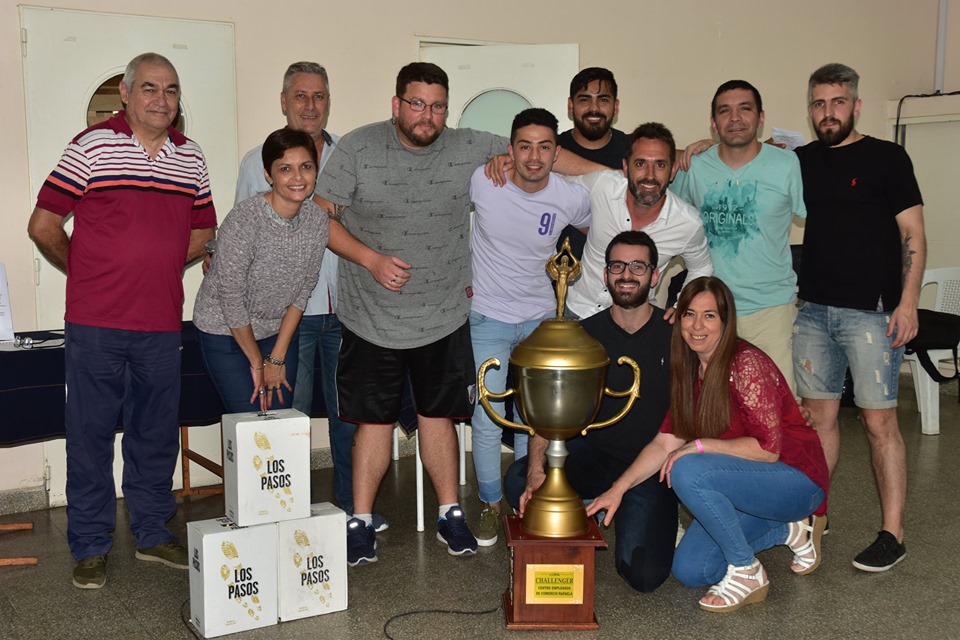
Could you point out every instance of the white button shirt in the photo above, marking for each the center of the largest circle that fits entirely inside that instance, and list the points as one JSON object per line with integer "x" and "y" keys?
{"x": 677, "y": 231}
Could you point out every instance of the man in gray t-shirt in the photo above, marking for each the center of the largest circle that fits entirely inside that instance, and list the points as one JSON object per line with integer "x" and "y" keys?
{"x": 397, "y": 193}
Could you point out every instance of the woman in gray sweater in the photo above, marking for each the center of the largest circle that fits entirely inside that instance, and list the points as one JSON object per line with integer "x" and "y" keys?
{"x": 266, "y": 264}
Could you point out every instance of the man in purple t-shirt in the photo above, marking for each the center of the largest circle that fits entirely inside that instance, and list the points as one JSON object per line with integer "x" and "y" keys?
{"x": 515, "y": 230}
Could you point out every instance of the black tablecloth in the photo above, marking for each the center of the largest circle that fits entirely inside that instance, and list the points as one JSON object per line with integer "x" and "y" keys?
{"x": 32, "y": 389}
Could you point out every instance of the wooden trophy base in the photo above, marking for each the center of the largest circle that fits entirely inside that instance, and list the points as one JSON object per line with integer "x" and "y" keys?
{"x": 551, "y": 579}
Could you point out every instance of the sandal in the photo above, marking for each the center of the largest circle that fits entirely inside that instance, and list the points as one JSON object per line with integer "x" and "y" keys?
{"x": 803, "y": 538}
{"x": 733, "y": 590}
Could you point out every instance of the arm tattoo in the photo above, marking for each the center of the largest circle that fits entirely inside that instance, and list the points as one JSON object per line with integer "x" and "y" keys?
{"x": 336, "y": 213}
{"x": 907, "y": 256}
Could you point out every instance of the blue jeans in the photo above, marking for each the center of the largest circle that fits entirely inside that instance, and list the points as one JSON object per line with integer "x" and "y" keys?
{"x": 109, "y": 373}
{"x": 645, "y": 523}
{"x": 828, "y": 339}
{"x": 229, "y": 369}
{"x": 740, "y": 507}
{"x": 494, "y": 339}
{"x": 320, "y": 334}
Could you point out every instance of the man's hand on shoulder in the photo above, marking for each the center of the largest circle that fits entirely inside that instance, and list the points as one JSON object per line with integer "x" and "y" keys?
{"x": 685, "y": 157}
{"x": 497, "y": 167}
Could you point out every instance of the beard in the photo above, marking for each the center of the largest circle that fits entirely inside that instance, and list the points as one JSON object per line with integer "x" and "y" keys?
{"x": 409, "y": 131}
{"x": 628, "y": 299}
{"x": 592, "y": 132}
{"x": 835, "y": 137}
{"x": 647, "y": 199}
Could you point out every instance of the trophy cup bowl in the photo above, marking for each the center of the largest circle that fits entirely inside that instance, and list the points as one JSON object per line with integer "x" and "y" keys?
{"x": 558, "y": 373}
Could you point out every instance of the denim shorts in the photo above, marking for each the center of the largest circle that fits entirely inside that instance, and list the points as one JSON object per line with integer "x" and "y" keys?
{"x": 829, "y": 339}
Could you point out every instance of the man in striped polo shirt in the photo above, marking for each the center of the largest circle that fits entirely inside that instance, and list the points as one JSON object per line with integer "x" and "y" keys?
{"x": 139, "y": 194}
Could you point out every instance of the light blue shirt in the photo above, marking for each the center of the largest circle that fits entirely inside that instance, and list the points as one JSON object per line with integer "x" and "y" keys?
{"x": 251, "y": 181}
{"x": 746, "y": 216}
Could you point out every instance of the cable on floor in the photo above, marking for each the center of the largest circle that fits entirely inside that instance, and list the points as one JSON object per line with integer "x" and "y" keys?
{"x": 386, "y": 624}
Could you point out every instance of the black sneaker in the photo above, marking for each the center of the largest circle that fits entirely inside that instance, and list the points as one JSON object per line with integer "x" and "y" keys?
{"x": 361, "y": 543}
{"x": 882, "y": 554}
{"x": 453, "y": 530}
{"x": 90, "y": 573}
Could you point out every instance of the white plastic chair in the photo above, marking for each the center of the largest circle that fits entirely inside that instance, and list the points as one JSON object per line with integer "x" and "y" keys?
{"x": 947, "y": 280}
{"x": 461, "y": 439}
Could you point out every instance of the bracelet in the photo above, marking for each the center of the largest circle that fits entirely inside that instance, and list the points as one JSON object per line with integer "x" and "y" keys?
{"x": 253, "y": 368}
{"x": 275, "y": 361}
{"x": 699, "y": 445}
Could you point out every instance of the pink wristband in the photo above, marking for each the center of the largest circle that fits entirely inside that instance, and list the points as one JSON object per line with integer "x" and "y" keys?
{"x": 699, "y": 445}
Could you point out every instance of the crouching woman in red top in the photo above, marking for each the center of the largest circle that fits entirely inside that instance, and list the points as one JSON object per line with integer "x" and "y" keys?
{"x": 736, "y": 451}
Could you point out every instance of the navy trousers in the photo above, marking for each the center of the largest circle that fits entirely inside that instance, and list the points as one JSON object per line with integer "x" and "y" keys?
{"x": 116, "y": 376}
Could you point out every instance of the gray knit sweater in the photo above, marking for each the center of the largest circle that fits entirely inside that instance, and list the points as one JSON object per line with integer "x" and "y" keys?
{"x": 262, "y": 265}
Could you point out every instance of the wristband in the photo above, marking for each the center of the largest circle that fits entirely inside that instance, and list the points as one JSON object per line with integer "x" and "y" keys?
{"x": 275, "y": 361}
{"x": 699, "y": 445}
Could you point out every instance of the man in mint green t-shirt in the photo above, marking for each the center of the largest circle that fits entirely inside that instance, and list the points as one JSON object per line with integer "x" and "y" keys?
{"x": 747, "y": 193}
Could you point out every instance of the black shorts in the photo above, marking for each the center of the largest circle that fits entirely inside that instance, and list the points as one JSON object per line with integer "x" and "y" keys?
{"x": 370, "y": 378}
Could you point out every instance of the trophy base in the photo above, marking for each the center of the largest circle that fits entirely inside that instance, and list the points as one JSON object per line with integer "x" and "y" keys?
{"x": 551, "y": 580}
{"x": 555, "y": 510}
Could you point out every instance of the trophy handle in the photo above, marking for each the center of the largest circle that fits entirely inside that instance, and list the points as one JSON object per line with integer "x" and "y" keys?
{"x": 633, "y": 392}
{"x": 484, "y": 396}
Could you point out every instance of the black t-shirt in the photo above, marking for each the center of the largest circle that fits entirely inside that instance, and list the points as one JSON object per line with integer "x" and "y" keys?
{"x": 851, "y": 244}
{"x": 650, "y": 348}
{"x": 610, "y": 155}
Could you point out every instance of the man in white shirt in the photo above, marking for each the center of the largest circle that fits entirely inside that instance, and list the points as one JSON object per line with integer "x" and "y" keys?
{"x": 638, "y": 200}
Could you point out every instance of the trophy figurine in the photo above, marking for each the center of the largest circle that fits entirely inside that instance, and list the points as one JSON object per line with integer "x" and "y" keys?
{"x": 558, "y": 374}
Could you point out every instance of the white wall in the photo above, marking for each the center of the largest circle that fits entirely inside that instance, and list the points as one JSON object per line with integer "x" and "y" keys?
{"x": 668, "y": 59}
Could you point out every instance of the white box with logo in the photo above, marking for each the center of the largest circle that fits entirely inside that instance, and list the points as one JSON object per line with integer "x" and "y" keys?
{"x": 266, "y": 466}
{"x": 233, "y": 576}
{"x": 312, "y": 563}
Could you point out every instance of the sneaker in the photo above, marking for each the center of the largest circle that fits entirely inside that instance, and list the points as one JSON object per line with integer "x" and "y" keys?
{"x": 90, "y": 573}
{"x": 169, "y": 553}
{"x": 361, "y": 543}
{"x": 453, "y": 530}
{"x": 380, "y": 523}
{"x": 882, "y": 554}
{"x": 488, "y": 527}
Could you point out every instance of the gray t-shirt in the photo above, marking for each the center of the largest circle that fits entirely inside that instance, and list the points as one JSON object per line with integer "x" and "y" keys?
{"x": 263, "y": 264}
{"x": 415, "y": 205}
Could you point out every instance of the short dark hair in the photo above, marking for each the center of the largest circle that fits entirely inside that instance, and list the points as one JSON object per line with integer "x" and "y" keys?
{"x": 537, "y": 116}
{"x": 280, "y": 140}
{"x": 634, "y": 239}
{"x": 421, "y": 72}
{"x": 591, "y": 74}
{"x": 651, "y": 131}
{"x": 835, "y": 73}
{"x": 730, "y": 85}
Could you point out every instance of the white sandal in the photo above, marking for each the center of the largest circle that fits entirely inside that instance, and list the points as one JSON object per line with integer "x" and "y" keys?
{"x": 803, "y": 538}
{"x": 734, "y": 592}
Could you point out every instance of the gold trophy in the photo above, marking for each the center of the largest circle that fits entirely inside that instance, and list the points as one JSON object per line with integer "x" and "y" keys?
{"x": 559, "y": 373}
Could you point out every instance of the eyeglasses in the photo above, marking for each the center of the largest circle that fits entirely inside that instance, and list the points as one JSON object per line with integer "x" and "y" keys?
{"x": 636, "y": 267}
{"x": 419, "y": 106}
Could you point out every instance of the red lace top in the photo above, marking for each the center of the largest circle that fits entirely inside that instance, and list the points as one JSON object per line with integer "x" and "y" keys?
{"x": 762, "y": 407}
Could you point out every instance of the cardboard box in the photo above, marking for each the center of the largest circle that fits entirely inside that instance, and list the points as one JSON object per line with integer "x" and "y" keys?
{"x": 266, "y": 466}
{"x": 233, "y": 576}
{"x": 312, "y": 563}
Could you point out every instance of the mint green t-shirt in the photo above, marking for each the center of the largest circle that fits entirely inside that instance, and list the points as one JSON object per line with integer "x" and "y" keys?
{"x": 746, "y": 215}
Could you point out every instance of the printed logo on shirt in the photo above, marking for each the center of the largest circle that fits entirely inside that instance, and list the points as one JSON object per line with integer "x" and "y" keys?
{"x": 729, "y": 213}
{"x": 547, "y": 222}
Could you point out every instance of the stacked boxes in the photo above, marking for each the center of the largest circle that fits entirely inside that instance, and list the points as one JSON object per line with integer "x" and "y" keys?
{"x": 233, "y": 576}
{"x": 266, "y": 466}
{"x": 312, "y": 563}
{"x": 274, "y": 555}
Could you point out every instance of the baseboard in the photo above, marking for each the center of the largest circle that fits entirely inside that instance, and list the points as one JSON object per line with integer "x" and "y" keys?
{"x": 21, "y": 500}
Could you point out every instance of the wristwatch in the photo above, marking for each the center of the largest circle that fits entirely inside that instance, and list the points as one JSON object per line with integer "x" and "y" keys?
{"x": 211, "y": 246}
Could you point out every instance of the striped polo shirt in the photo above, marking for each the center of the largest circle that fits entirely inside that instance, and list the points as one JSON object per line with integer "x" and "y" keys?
{"x": 133, "y": 215}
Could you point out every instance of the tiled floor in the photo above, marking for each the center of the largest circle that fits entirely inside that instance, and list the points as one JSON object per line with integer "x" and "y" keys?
{"x": 920, "y": 598}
